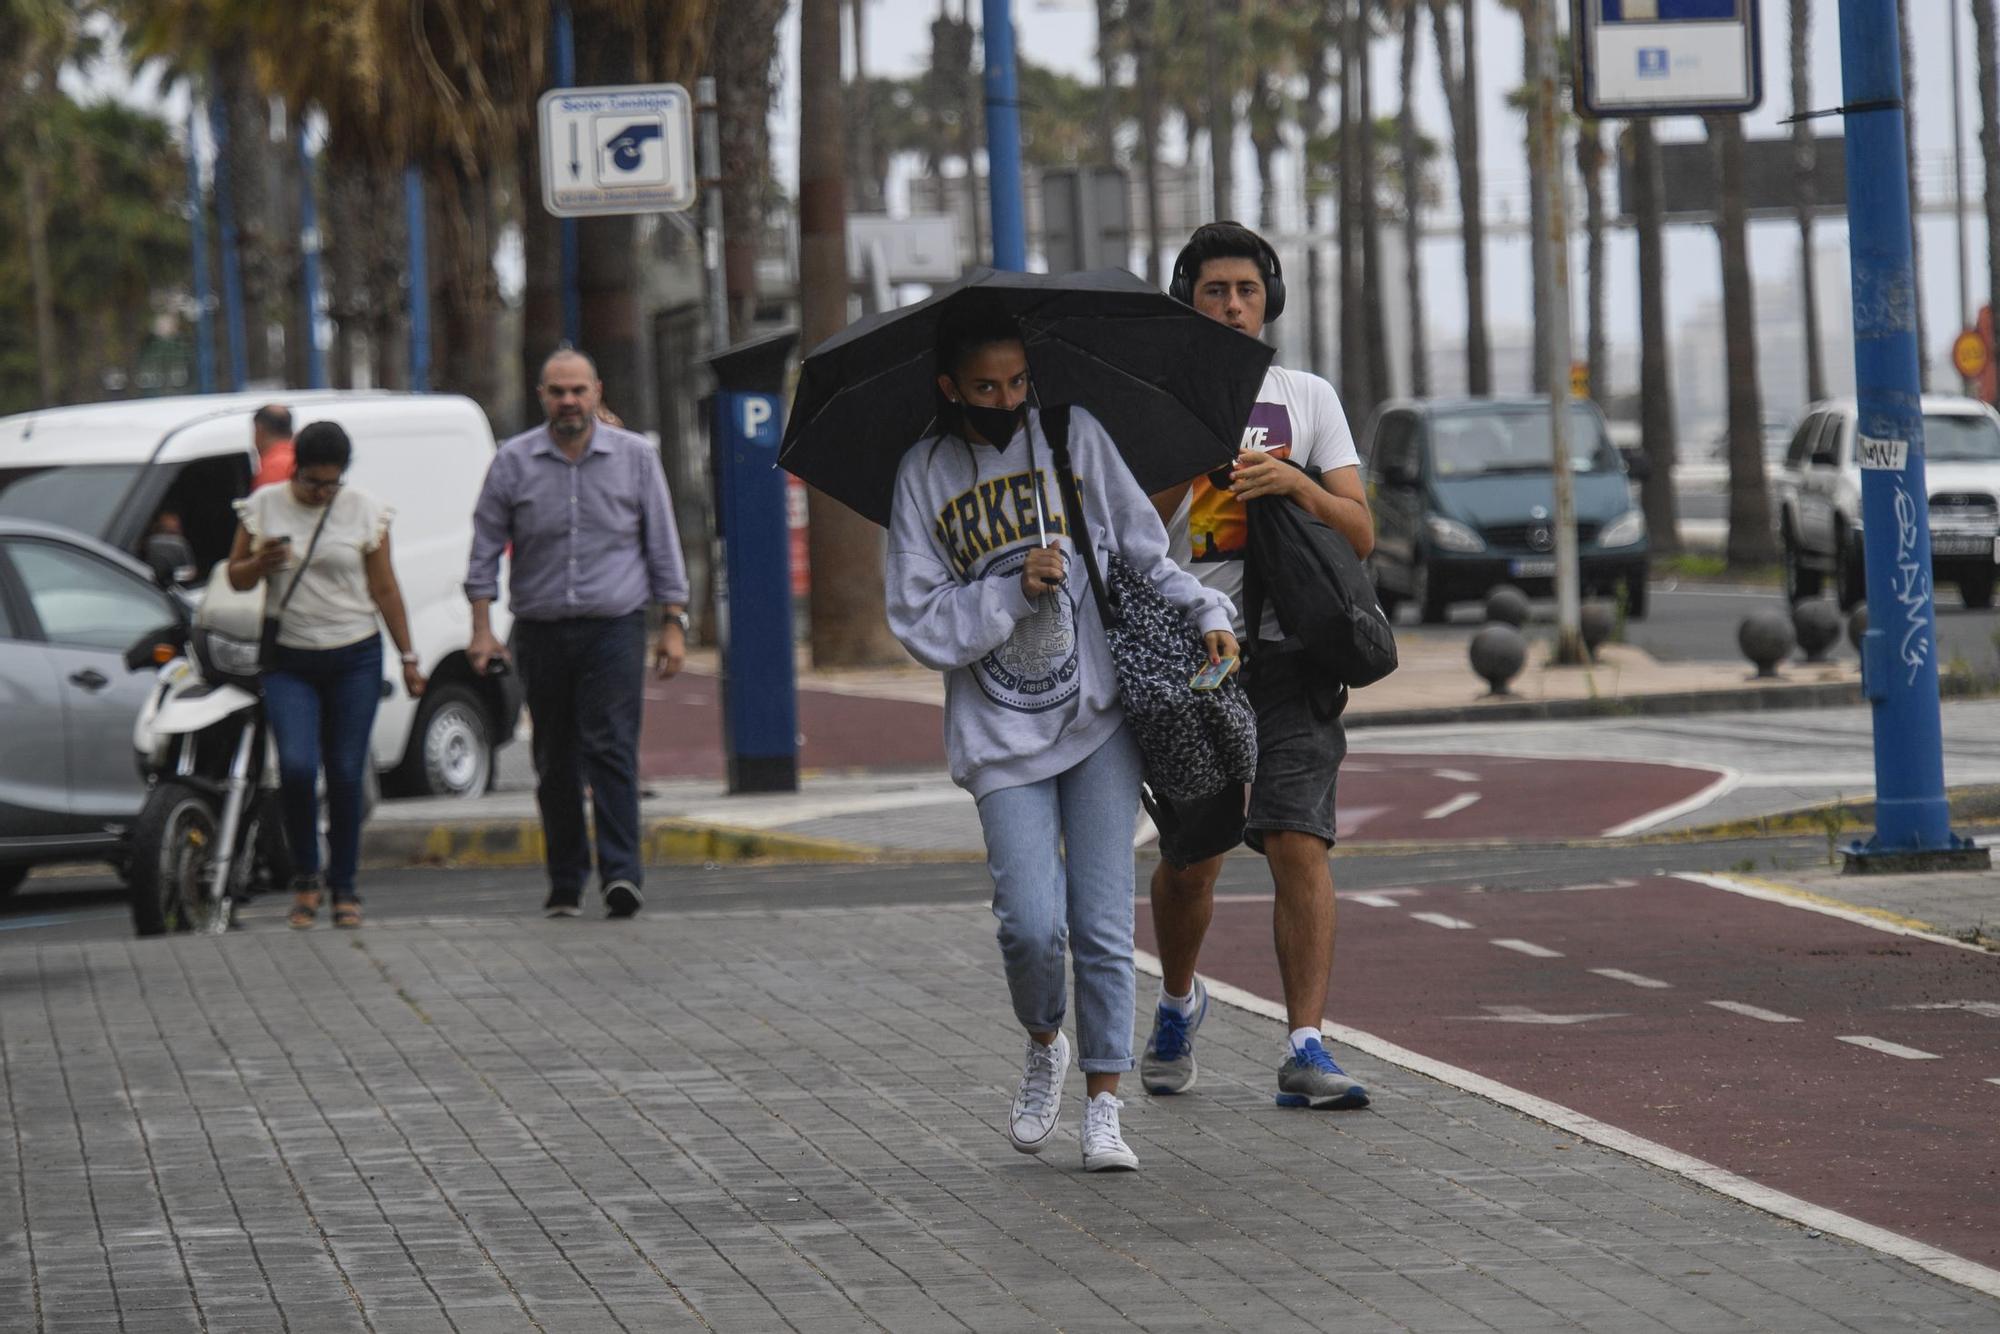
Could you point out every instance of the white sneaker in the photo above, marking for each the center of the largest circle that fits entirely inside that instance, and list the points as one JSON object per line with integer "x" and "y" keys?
{"x": 1038, "y": 1102}
{"x": 1104, "y": 1147}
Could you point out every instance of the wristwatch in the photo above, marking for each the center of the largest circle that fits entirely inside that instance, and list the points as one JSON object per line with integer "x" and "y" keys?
{"x": 679, "y": 618}
{"x": 410, "y": 659}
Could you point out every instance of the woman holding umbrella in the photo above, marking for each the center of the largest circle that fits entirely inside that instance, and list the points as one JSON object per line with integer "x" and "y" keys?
{"x": 978, "y": 588}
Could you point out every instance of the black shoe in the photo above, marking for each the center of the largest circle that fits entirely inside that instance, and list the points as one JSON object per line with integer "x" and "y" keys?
{"x": 563, "y": 903}
{"x": 621, "y": 899}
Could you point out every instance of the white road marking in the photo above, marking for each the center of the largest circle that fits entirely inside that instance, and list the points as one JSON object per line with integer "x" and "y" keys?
{"x": 1618, "y": 883}
{"x": 1636, "y": 979}
{"x": 1372, "y": 900}
{"x": 1452, "y": 807}
{"x": 1855, "y": 915}
{"x": 1891, "y": 1048}
{"x": 1944, "y": 1264}
{"x": 1455, "y": 775}
{"x": 1991, "y": 1009}
{"x": 1726, "y": 781}
{"x": 1523, "y": 1014}
{"x": 1754, "y": 1012}
{"x": 1440, "y": 919}
{"x": 1533, "y": 951}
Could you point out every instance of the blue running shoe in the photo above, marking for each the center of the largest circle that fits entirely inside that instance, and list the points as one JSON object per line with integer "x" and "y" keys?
{"x": 1309, "y": 1078}
{"x": 1168, "y": 1065}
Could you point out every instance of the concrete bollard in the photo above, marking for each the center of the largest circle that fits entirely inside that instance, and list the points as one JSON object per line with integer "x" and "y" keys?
{"x": 1857, "y": 625}
{"x": 1766, "y": 638}
{"x": 1597, "y": 620}
{"x": 1498, "y": 653}
{"x": 1507, "y": 605}
{"x": 1816, "y": 623}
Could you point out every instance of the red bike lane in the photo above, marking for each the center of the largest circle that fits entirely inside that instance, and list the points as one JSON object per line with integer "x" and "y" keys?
{"x": 1853, "y": 1068}
{"x": 1387, "y": 797}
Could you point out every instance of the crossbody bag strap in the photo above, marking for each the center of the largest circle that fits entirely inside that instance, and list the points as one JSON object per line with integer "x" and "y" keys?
{"x": 1055, "y": 428}
{"x": 311, "y": 546}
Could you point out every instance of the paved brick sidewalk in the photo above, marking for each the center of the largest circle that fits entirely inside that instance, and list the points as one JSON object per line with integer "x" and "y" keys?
{"x": 782, "y": 1120}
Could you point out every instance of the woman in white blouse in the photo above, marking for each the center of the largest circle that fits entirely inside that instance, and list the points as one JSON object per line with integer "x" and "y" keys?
{"x": 323, "y": 684}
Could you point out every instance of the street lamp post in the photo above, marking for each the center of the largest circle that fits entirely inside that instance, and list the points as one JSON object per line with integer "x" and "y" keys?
{"x": 1899, "y": 652}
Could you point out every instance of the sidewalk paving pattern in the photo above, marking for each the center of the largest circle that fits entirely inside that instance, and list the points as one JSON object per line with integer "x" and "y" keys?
{"x": 780, "y": 1120}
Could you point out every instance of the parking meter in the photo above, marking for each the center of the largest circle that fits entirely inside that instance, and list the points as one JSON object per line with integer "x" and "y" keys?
{"x": 760, "y": 727}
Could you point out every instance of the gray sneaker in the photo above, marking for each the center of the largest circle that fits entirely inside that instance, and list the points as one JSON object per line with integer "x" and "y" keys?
{"x": 1311, "y": 1079}
{"x": 1168, "y": 1065}
{"x": 1038, "y": 1102}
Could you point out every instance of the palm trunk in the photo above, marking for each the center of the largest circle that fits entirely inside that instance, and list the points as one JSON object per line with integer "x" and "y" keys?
{"x": 867, "y": 184}
{"x": 1461, "y": 84}
{"x": 1373, "y": 325}
{"x": 1314, "y": 123}
{"x": 1140, "y": 15}
{"x": 466, "y": 332}
{"x": 1916, "y": 210}
{"x": 1656, "y": 396}
{"x": 968, "y": 135}
{"x": 607, "y": 279}
{"x": 1107, "y": 89}
{"x": 35, "y": 204}
{"x": 746, "y": 40}
{"x": 1803, "y": 165}
{"x": 542, "y": 296}
{"x": 1531, "y": 81}
{"x": 848, "y": 626}
{"x": 1221, "y": 115}
{"x": 1590, "y": 164}
{"x": 1751, "y": 543}
{"x": 1406, "y": 137}
{"x": 1355, "y": 377}
{"x": 1986, "y": 34}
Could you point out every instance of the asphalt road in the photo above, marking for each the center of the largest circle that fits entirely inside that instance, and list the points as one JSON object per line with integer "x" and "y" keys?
{"x": 1697, "y": 622}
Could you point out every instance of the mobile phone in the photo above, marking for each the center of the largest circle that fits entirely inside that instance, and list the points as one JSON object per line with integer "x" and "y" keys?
{"x": 1212, "y": 676}
{"x": 281, "y": 540}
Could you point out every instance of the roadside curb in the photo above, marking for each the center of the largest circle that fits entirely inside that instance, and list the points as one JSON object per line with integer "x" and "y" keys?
{"x": 1833, "y": 818}
{"x": 1818, "y": 695}
{"x": 666, "y": 842}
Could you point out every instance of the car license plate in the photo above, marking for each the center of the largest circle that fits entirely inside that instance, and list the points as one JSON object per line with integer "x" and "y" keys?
{"x": 1959, "y": 544}
{"x": 1532, "y": 569}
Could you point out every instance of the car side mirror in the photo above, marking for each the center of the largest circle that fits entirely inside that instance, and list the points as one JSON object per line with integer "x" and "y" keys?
{"x": 155, "y": 648}
{"x": 1637, "y": 466}
{"x": 171, "y": 559}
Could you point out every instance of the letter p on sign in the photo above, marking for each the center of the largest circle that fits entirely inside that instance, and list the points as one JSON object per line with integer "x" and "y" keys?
{"x": 756, "y": 412}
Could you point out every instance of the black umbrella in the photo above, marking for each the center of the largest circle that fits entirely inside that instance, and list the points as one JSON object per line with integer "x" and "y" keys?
{"x": 1173, "y": 387}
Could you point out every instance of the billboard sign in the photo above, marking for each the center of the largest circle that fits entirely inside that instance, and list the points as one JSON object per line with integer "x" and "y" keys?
{"x": 1667, "y": 57}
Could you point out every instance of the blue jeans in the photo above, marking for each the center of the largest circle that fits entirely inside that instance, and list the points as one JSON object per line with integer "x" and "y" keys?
{"x": 321, "y": 703}
{"x": 1061, "y": 856}
{"x": 585, "y": 682}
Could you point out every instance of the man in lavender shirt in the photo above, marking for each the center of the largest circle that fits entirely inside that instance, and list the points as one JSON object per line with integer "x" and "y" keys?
{"x": 584, "y": 505}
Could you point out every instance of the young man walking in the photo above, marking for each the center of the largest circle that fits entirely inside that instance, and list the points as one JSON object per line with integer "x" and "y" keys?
{"x": 1231, "y": 274}
{"x": 584, "y": 506}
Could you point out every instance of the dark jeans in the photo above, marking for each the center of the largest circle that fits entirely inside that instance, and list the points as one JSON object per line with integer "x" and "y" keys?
{"x": 585, "y": 683}
{"x": 321, "y": 703}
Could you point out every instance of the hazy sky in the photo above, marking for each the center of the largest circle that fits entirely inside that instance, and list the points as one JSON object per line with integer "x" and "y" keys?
{"x": 1062, "y": 34}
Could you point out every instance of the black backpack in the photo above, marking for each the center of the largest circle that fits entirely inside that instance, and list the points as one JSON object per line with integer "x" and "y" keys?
{"x": 1321, "y": 591}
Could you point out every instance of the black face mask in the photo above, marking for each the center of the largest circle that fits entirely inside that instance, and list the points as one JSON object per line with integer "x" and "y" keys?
{"x": 996, "y": 425}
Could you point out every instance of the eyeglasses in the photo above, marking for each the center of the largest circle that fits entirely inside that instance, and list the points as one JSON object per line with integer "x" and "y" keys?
{"x": 319, "y": 485}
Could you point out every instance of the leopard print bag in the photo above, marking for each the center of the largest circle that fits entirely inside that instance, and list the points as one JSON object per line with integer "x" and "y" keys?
{"x": 1194, "y": 742}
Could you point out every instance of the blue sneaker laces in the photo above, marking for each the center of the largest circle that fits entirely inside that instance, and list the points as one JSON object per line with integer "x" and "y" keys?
{"x": 1316, "y": 1056}
{"x": 1170, "y": 1042}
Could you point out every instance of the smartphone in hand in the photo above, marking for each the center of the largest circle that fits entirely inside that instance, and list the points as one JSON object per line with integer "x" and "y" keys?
{"x": 1212, "y": 676}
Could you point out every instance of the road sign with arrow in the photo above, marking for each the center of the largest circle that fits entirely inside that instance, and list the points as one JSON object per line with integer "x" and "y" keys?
{"x": 617, "y": 150}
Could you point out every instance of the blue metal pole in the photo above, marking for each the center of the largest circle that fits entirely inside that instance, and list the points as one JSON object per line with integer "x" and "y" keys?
{"x": 1003, "y": 139}
{"x": 564, "y": 60}
{"x": 1899, "y": 652}
{"x": 232, "y": 270}
{"x": 309, "y": 254}
{"x": 420, "y": 281}
{"x": 204, "y": 299}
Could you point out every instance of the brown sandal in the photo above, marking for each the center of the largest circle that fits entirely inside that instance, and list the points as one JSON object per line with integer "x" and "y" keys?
{"x": 347, "y": 914}
{"x": 305, "y": 908}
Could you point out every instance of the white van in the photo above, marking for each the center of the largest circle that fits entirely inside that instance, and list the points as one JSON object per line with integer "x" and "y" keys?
{"x": 111, "y": 469}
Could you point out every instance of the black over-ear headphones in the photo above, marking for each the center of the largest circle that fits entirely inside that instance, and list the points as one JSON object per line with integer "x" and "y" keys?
{"x": 1191, "y": 258}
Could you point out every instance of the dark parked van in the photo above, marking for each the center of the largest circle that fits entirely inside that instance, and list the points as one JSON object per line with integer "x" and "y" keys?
{"x": 1464, "y": 500}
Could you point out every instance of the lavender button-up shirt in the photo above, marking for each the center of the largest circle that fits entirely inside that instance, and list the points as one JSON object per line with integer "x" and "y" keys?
{"x": 591, "y": 538}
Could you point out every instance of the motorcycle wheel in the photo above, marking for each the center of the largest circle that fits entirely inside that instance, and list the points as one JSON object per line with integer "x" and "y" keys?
{"x": 172, "y": 846}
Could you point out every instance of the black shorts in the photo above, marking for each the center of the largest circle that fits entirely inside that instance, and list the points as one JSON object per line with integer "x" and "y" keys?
{"x": 1300, "y": 744}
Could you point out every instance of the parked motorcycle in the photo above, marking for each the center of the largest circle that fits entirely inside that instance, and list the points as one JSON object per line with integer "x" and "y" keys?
{"x": 211, "y": 830}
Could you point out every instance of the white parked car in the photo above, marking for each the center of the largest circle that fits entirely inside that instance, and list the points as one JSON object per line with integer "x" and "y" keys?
{"x": 111, "y": 470}
{"x": 1819, "y": 521}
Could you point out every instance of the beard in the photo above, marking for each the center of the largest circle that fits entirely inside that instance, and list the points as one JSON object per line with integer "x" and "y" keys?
{"x": 569, "y": 424}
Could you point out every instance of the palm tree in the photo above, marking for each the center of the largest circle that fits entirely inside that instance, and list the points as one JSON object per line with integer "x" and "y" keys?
{"x": 1409, "y": 154}
{"x": 1356, "y": 374}
{"x": 1910, "y": 165}
{"x": 1142, "y": 25}
{"x": 1221, "y": 38}
{"x": 1527, "y": 99}
{"x": 1656, "y": 399}
{"x": 1457, "y": 72}
{"x": 1986, "y": 32}
{"x": 1751, "y": 542}
{"x": 1590, "y": 165}
{"x": 1803, "y": 166}
{"x": 34, "y": 37}
{"x": 1373, "y": 328}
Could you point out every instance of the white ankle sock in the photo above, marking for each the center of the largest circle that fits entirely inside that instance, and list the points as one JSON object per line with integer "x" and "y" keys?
{"x": 1184, "y": 1004}
{"x": 1297, "y": 1042}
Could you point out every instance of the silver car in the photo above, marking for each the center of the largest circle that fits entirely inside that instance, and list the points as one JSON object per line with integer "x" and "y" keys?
{"x": 70, "y": 607}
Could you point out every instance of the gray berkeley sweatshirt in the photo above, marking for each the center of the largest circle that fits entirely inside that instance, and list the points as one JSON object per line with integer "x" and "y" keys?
{"x": 1030, "y": 690}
